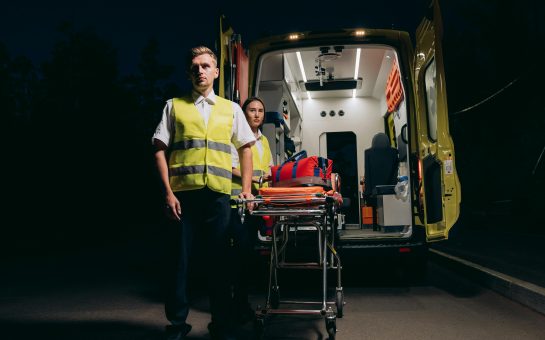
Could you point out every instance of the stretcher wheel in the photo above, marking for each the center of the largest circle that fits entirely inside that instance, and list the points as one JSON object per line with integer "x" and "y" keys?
{"x": 275, "y": 297}
{"x": 339, "y": 302}
{"x": 331, "y": 327}
{"x": 259, "y": 328}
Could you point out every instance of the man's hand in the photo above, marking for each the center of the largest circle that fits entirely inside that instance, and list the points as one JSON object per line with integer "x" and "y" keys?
{"x": 248, "y": 196}
{"x": 173, "y": 207}
{"x": 261, "y": 179}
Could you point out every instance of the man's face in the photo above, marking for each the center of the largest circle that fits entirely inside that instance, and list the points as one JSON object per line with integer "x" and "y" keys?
{"x": 203, "y": 71}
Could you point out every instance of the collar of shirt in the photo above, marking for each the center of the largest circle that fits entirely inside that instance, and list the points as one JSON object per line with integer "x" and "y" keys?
{"x": 198, "y": 98}
{"x": 259, "y": 135}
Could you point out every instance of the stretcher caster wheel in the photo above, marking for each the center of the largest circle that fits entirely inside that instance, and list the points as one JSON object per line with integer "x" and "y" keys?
{"x": 275, "y": 297}
{"x": 331, "y": 327}
{"x": 339, "y": 302}
{"x": 259, "y": 328}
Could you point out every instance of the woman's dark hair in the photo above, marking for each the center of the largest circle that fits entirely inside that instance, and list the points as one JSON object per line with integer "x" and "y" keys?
{"x": 249, "y": 100}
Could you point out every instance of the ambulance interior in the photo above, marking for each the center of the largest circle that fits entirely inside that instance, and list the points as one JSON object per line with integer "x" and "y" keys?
{"x": 331, "y": 101}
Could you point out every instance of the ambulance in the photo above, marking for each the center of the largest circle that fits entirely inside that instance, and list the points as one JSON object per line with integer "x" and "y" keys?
{"x": 332, "y": 94}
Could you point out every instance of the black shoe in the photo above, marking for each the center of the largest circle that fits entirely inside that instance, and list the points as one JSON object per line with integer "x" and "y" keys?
{"x": 177, "y": 332}
{"x": 220, "y": 333}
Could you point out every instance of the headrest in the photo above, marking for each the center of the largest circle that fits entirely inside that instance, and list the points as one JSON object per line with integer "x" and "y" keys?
{"x": 380, "y": 141}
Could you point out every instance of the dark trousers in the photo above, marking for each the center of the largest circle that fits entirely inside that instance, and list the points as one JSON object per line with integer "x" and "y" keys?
{"x": 243, "y": 256}
{"x": 205, "y": 222}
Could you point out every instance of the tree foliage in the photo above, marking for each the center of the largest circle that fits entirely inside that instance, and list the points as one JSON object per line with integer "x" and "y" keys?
{"x": 82, "y": 135}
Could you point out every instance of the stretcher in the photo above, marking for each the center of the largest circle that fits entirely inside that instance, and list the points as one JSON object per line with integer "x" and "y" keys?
{"x": 312, "y": 209}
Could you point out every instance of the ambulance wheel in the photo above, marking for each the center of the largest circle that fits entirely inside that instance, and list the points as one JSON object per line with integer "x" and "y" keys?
{"x": 339, "y": 303}
{"x": 275, "y": 297}
{"x": 331, "y": 327}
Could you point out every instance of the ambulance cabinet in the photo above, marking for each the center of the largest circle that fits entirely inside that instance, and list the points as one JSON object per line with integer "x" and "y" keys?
{"x": 391, "y": 211}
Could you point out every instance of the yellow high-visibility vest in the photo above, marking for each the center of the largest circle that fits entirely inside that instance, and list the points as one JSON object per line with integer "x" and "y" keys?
{"x": 261, "y": 168}
{"x": 201, "y": 155}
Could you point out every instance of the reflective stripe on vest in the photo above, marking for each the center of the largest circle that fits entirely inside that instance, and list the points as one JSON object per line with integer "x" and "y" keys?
{"x": 236, "y": 188}
{"x": 201, "y": 156}
{"x": 261, "y": 167}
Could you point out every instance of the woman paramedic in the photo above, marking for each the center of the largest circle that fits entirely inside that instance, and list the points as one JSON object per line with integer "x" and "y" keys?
{"x": 245, "y": 234}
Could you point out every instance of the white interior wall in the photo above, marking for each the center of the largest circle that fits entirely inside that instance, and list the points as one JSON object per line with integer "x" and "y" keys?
{"x": 362, "y": 116}
{"x": 272, "y": 97}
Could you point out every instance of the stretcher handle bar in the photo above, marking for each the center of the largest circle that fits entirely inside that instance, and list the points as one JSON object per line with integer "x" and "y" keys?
{"x": 295, "y": 302}
{"x": 295, "y": 311}
{"x": 294, "y": 194}
{"x": 301, "y": 265}
{"x": 300, "y": 196}
{"x": 287, "y": 212}
{"x": 302, "y": 200}
{"x": 239, "y": 201}
{"x": 288, "y": 199}
{"x": 284, "y": 265}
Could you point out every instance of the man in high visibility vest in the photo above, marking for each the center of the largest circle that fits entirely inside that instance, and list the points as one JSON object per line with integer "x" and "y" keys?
{"x": 245, "y": 234}
{"x": 197, "y": 131}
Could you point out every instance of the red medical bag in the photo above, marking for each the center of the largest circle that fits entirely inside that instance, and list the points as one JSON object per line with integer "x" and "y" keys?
{"x": 314, "y": 170}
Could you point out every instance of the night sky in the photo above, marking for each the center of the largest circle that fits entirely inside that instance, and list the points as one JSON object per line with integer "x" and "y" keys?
{"x": 30, "y": 28}
{"x": 483, "y": 35}
{"x": 487, "y": 45}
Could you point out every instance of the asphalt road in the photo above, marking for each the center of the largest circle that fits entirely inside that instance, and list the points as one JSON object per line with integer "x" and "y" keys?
{"x": 115, "y": 293}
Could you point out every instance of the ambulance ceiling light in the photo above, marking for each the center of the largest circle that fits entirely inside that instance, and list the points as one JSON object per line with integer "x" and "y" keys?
{"x": 301, "y": 66}
{"x": 294, "y": 36}
{"x": 359, "y": 33}
{"x": 357, "y": 68}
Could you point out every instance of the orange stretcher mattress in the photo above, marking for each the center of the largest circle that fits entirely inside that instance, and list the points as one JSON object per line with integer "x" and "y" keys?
{"x": 288, "y": 191}
{"x": 298, "y": 195}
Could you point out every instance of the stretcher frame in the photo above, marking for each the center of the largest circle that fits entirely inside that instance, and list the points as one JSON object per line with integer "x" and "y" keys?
{"x": 293, "y": 212}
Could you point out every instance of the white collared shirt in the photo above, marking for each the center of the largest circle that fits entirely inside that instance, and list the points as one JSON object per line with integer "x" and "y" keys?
{"x": 241, "y": 132}
{"x": 258, "y": 145}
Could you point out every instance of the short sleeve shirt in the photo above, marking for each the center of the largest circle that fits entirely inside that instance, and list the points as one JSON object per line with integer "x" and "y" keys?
{"x": 258, "y": 145}
{"x": 241, "y": 132}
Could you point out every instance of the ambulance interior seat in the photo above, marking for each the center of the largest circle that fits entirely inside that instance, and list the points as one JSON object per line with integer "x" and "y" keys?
{"x": 381, "y": 168}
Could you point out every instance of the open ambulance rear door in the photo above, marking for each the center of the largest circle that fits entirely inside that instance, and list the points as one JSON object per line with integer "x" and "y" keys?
{"x": 438, "y": 187}
{"x": 233, "y": 65}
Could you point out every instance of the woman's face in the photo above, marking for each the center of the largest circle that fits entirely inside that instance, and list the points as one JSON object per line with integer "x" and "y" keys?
{"x": 255, "y": 113}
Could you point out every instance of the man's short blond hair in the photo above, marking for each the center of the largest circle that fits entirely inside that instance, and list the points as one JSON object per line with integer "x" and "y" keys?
{"x": 200, "y": 50}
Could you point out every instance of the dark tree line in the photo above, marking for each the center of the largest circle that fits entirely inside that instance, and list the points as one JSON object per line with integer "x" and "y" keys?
{"x": 78, "y": 143}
